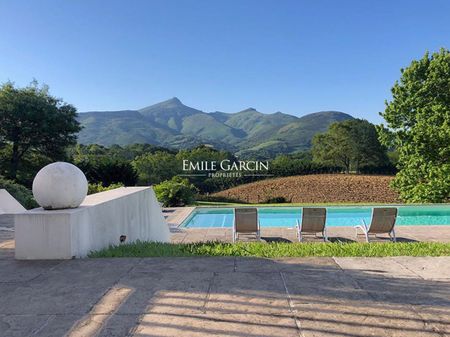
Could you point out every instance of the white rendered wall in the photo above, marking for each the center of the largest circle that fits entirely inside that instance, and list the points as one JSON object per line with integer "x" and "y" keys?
{"x": 99, "y": 222}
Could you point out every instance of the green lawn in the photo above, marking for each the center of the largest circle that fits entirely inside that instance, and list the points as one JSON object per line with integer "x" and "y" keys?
{"x": 275, "y": 250}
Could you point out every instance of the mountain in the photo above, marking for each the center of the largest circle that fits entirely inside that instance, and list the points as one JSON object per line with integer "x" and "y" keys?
{"x": 249, "y": 133}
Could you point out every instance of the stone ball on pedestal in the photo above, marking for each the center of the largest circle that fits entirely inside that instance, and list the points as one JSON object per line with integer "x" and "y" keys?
{"x": 60, "y": 185}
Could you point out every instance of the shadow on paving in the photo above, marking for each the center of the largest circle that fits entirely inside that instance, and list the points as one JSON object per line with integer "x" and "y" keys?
{"x": 220, "y": 297}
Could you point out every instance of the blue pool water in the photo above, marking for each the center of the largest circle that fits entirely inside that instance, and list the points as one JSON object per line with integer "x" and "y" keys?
{"x": 336, "y": 216}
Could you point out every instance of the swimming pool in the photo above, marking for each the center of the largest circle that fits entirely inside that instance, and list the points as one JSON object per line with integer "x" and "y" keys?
{"x": 336, "y": 216}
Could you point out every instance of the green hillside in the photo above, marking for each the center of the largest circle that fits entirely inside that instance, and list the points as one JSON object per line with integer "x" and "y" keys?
{"x": 249, "y": 133}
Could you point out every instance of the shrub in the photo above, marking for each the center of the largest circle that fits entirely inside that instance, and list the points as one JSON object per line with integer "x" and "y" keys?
{"x": 388, "y": 169}
{"x": 96, "y": 188}
{"x": 275, "y": 200}
{"x": 175, "y": 192}
{"x": 216, "y": 198}
{"x": 21, "y": 193}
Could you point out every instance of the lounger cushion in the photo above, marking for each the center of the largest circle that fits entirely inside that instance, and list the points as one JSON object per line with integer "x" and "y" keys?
{"x": 383, "y": 219}
{"x": 246, "y": 220}
{"x": 313, "y": 219}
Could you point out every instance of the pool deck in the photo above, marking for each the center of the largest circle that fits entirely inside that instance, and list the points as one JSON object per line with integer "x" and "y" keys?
{"x": 230, "y": 296}
{"x": 345, "y": 234}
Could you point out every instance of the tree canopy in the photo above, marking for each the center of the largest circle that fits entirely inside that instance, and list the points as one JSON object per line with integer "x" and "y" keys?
{"x": 350, "y": 144}
{"x": 34, "y": 121}
{"x": 418, "y": 125}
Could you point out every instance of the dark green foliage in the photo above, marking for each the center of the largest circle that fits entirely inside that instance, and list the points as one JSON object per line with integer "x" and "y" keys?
{"x": 388, "y": 169}
{"x": 351, "y": 145}
{"x": 153, "y": 168}
{"x": 276, "y": 200}
{"x": 19, "y": 192}
{"x": 289, "y": 165}
{"x": 97, "y": 188}
{"x": 175, "y": 192}
{"x": 29, "y": 165}
{"x": 107, "y": 171}
{"x": 418, "y": 126}
{"x": 106, "y": 166}
{"x": 33, "y": 121}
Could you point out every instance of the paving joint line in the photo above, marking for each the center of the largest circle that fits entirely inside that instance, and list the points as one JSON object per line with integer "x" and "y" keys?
{"x": 355, "y": 281}
{"x": 37, "y": 276}
{"x": 405, "y": 267}
{"x": 40, "y": 328}
{"x": 292, "y": 306}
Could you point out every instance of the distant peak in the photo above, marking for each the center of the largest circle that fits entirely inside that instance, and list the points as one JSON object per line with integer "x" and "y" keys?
{"x": 174, "y": 100}
{"x": 249, "y": 110}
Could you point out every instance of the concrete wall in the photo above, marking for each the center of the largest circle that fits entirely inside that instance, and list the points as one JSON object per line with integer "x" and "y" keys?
{"x": 99, "y": 222}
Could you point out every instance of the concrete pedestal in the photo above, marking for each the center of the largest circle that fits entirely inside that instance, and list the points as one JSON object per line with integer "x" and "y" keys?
{"x": 99, "y": 222}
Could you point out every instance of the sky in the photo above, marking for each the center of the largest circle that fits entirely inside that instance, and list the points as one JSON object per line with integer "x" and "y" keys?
{"x": 293, "y": 56}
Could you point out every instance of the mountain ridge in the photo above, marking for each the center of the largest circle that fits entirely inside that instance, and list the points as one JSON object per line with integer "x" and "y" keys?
{"x": 170, "y": 123}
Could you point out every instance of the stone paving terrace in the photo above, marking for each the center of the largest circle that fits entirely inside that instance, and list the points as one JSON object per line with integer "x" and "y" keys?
{"x": 238, "y": 297}
{"x": 226, "y": 297}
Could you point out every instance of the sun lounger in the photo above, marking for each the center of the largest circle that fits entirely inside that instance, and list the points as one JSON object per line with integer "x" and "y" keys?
{"x": 382, "y": 222}
{"x": 313, "y": 222}
{"x": 246, "y": 222}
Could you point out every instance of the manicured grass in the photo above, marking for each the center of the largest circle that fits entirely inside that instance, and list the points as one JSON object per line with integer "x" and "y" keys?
{"x": 275, "y": 250}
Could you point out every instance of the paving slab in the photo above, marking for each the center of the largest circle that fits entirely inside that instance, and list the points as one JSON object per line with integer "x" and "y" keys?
{"x": 437, "y": 268}
{"x": 435, "y": 318}
{"x": 186, "y": 264}
{"x": 241, "y": 293}
{"x": 22, "y": 271}
{"x": 226, "y": 297}
{"x": 376, "y": 266}
{"x": 69, "y": 287}
{"x": 206, "y": 326}
{"x": 364, "y": 319}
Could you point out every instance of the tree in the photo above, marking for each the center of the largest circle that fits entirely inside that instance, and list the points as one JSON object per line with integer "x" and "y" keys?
{"x": 157, "y": 167}
{"x": 19, "y": 192}
{"x": 350, "y": 144}
{"x": 107, "y": 170}
{"x": 418, "y": 126}
{"x": 33, "y": 120}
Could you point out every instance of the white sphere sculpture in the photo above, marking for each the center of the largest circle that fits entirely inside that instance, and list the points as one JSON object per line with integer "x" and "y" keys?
{"x": 60, "y": 185}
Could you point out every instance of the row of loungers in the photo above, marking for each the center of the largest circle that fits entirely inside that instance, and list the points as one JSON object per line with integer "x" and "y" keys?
{"x": 313, "y": 221}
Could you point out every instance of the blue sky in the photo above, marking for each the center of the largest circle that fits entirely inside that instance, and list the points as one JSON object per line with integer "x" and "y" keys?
{"x": 291, "y": 56}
